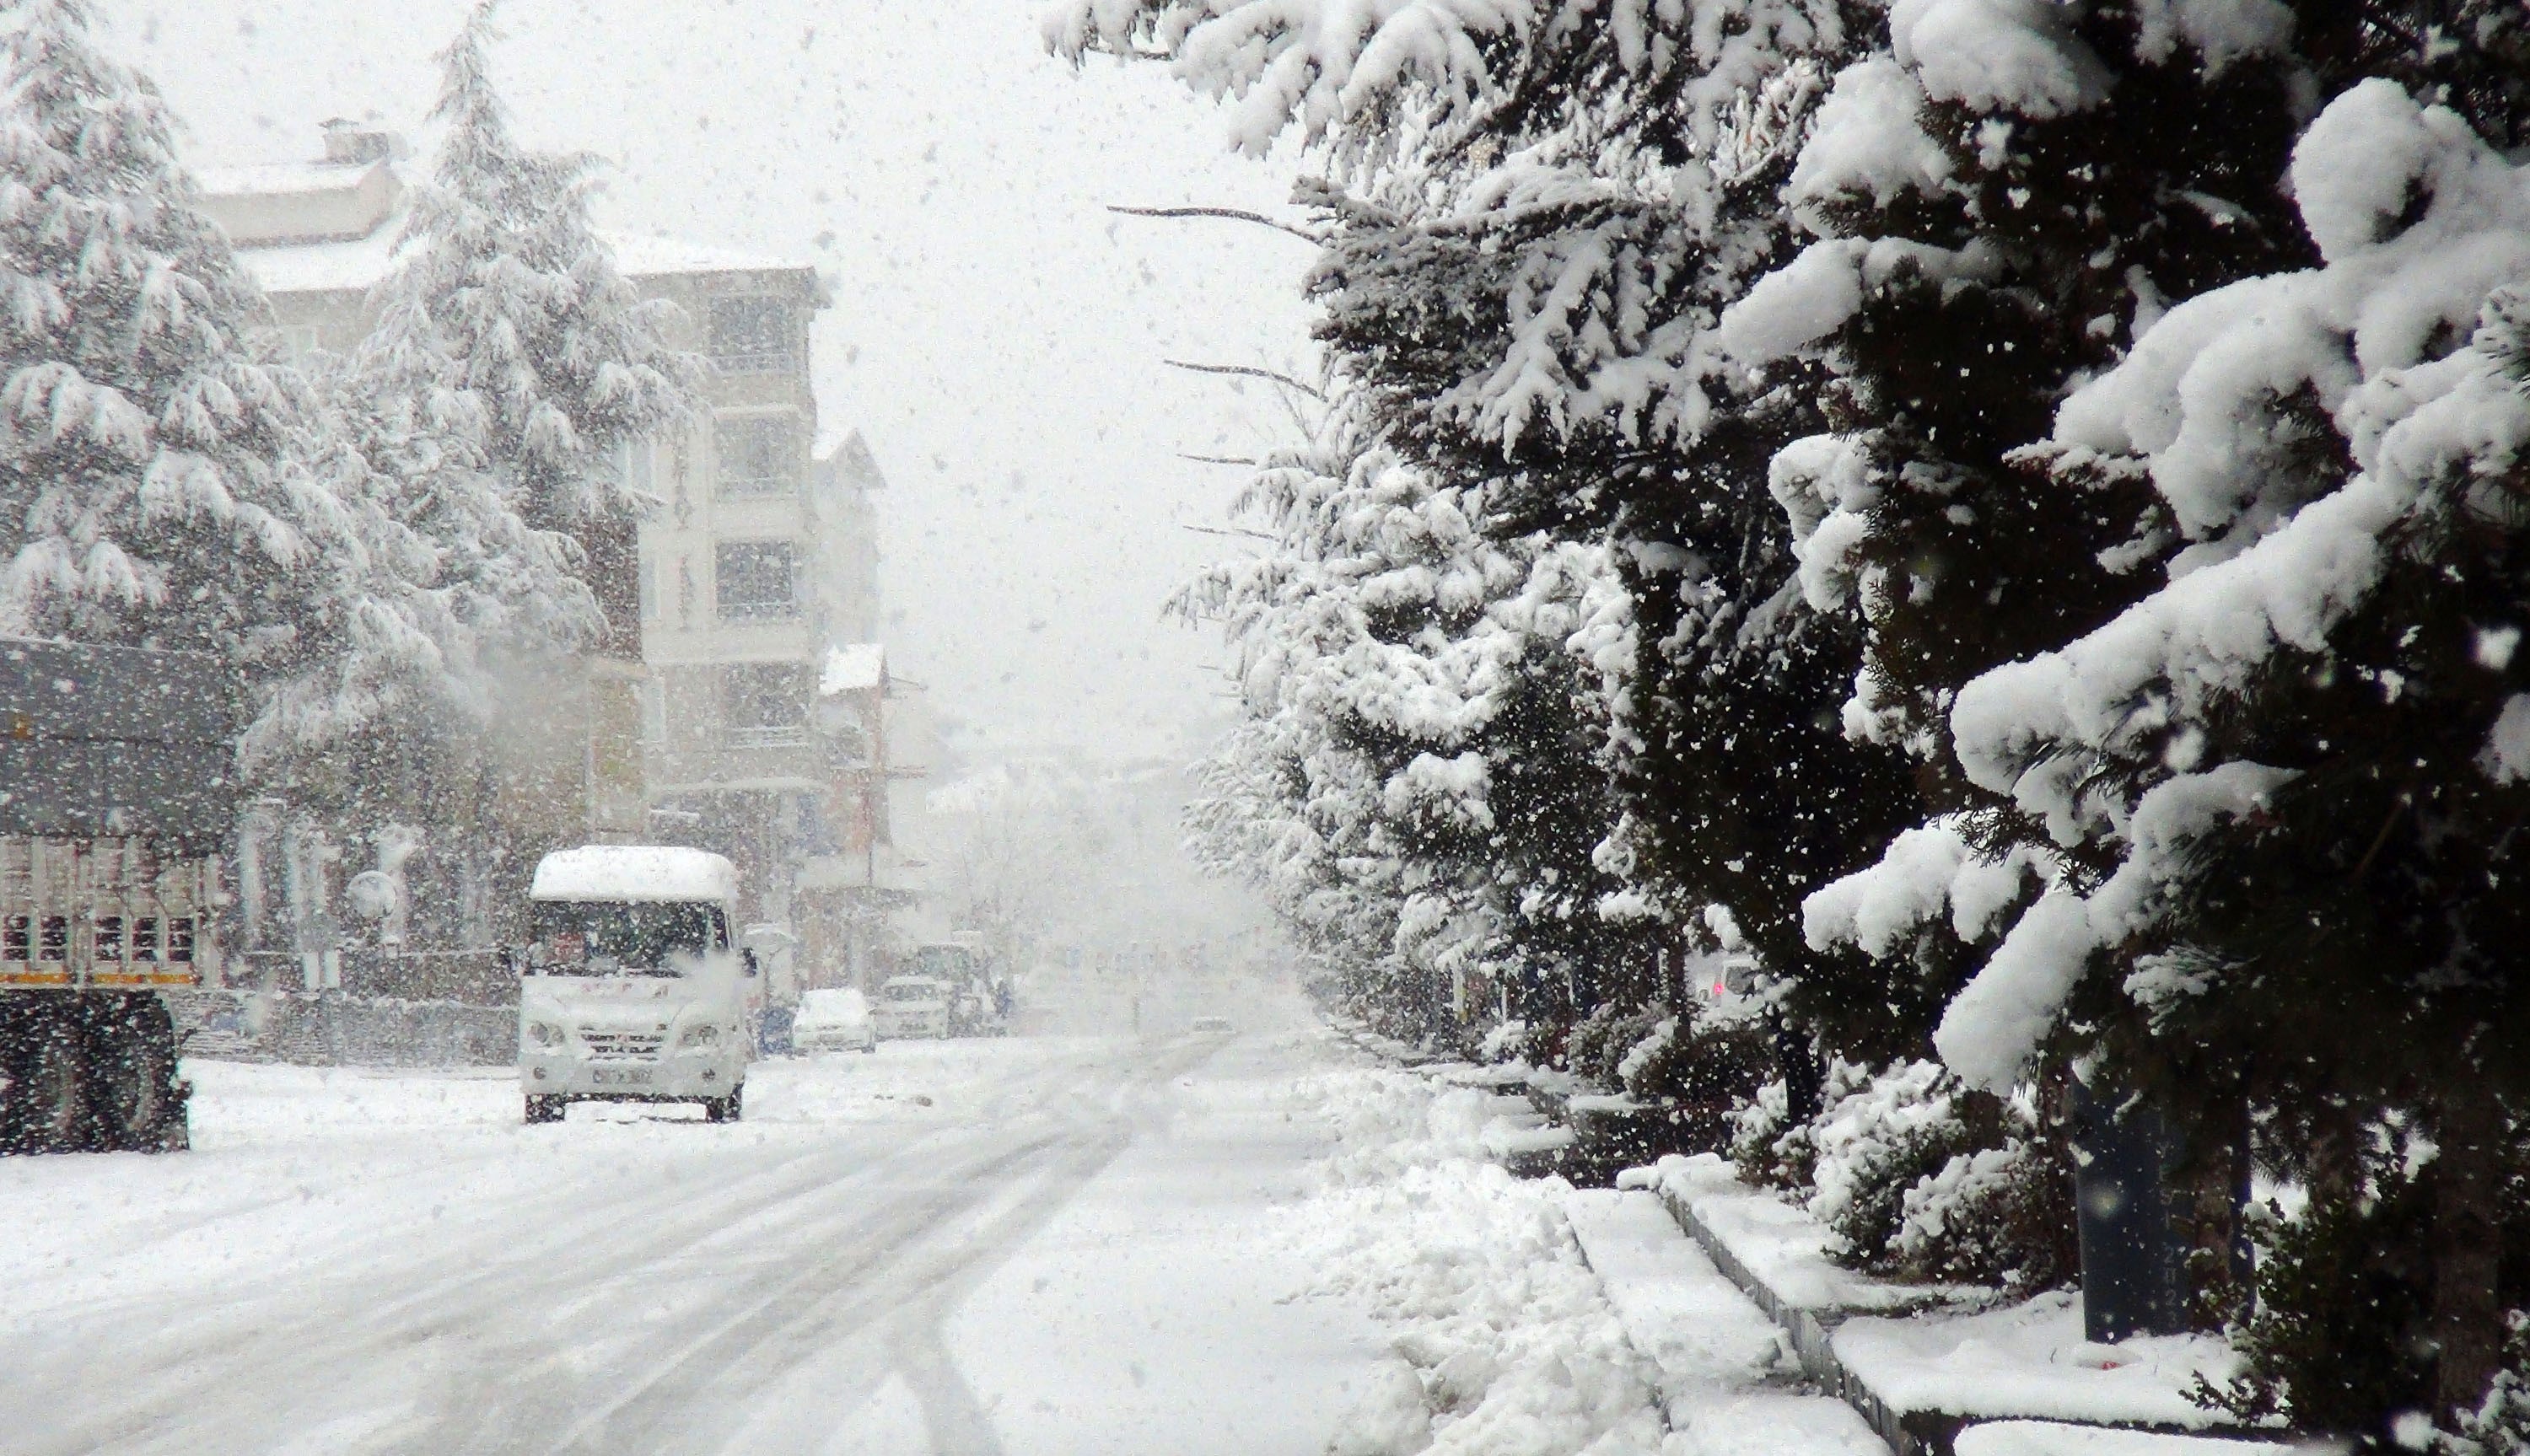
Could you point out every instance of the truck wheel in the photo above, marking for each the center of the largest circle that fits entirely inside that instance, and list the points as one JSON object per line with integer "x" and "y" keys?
{"x": 541, "y": 1109}
{"x": 130, "y": 1048}
{"x": 725, "y": 1108}
{"x": 48, "y": 1108}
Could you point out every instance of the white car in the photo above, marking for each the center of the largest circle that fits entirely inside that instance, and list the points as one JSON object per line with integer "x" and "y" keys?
{"x": 834, "y": 1021}
{"x": 912, "y": 1007}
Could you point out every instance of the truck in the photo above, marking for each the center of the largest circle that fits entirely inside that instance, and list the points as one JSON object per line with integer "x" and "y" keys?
{"x": 629, "y": 990}
{"x": 119, "y": 796}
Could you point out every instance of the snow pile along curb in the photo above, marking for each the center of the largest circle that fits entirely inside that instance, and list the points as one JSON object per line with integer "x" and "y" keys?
{"x": 1505, "y": 1342}
{"x": 1720, "y": 1362}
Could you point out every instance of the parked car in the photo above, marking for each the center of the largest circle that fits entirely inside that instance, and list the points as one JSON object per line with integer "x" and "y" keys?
{"x": 912, "y": 1007}
{"x": 834, "y": 1021}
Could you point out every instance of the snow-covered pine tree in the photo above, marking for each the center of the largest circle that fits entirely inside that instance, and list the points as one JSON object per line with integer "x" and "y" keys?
{"x": 1545, "y": 212}
{"x": 166, "y": 484}
{"x": 2002, "y": 201}
{"x": 1416, "y": 785}
{"x": 510, "y": 361}
{"x": 2299, "y": 763}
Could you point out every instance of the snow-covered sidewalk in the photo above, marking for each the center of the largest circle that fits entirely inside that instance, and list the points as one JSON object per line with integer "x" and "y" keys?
{"x": 1530, "y": 1318}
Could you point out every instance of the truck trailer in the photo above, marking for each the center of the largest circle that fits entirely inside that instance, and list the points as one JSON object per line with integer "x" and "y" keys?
{"x": 118, "y": 796}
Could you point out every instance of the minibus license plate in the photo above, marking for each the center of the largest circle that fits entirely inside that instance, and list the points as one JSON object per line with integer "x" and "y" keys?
{"x": 632, "y": 1077}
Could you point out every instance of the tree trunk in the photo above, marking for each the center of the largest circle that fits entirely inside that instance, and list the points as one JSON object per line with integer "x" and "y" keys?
{"x": 1804, "y": 1078}
{"x": 2213, "y": 1188}
{"x": 2467, "y": 1174}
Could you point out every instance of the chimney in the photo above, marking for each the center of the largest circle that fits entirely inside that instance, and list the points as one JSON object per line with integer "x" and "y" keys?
{"x": 347, "y": 144}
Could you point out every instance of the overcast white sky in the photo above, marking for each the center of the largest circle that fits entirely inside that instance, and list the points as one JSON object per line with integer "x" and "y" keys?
{"x": 996, "y": 332}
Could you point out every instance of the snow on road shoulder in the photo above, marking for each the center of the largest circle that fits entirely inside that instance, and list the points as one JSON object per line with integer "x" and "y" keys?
{"x": 1504, "y": 1341}
{"x": 1157, "y": 1311}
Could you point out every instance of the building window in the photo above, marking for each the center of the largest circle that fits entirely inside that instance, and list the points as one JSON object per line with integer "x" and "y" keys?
{"x": 764, "y": 704}
{"x": 756, "y": 455}
{"x": 654, "y": 713}
{"x": 753, "y": 334}
{"x": 756, "y": 580}
{"x": 634, "y": 468}
{"x": 649, "y": 574}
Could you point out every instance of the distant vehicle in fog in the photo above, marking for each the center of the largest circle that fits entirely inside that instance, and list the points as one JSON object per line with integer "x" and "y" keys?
{"x": 834, "y": 1021}
{"x": 979, "y": 1001}
{"x": 912, "y": 1007}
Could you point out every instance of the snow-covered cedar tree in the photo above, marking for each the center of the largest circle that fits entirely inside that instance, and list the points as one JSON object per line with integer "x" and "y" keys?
{"x": 509, "y": 363}
{"x": 2003, "y": 202}
{"x": 165, "y": 483}
{"x": 2294, "y": 773}
{"x": 1534, "y": 215}
{"x": 1414, "y": 784}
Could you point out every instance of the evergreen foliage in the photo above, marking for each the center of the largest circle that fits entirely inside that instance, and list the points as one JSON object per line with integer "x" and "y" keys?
{"x": 511, "y": 363}
{"x": 1397, "y": 789}
{"x": 167, "y": 483}
{"x": 2052, "y": 480}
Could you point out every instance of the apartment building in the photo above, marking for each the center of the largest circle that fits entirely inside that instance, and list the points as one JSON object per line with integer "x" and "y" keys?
{"x": 697, "y": 720}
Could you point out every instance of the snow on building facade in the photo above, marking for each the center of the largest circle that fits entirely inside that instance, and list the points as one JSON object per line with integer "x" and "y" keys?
{"x": 695, "y": 721}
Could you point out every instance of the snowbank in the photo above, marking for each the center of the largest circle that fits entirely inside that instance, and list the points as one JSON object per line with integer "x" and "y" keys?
{"x": 1504, "y": 1339}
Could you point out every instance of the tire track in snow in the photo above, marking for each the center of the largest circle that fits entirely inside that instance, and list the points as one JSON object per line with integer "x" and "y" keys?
{"x": 195, "y": 1401}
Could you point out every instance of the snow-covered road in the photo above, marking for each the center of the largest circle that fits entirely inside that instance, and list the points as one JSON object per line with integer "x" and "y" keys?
{"x": 1039, "y": 1245}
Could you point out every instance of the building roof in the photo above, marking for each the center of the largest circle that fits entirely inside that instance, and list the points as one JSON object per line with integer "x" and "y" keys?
{"x": 359, "y": 264}
{"x": 644, "y": 872}
{"x": 657, "y": 256}
{"x": 847, "y": 456}
{"x": 855, "y": 667}
{"x": 278, "y": 179}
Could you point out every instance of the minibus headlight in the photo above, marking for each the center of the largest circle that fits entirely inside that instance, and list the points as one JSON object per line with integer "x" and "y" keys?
{"x": 702, "y": 1034}
{"x": 544, "y": 1034}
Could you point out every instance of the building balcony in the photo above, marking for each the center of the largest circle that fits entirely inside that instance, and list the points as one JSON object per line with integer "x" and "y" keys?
{"x": 753, "y": 736}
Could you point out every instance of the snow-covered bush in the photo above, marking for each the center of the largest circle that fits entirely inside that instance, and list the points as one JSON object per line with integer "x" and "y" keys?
{"x": 2344, "y": 1336}
{"x": 1767, "y": 1149}
{"x": 1921, "y": 1177}
{"x": 1874, "y": 1146}
{"x": 1600, "y": 1042}
{"x": 1699, "y": 1059}
{"x": 1504, "y": 1041}
{"x": 2339, "y": 1340}
{"x": 2002, "y": 1216}
{"x": 2501, "y": 1424}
